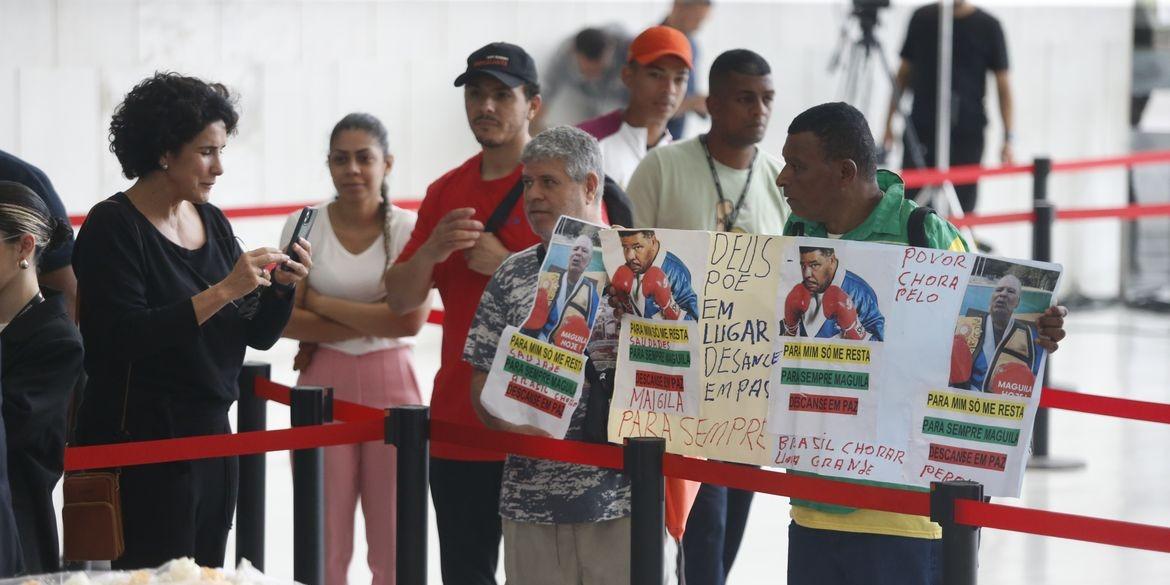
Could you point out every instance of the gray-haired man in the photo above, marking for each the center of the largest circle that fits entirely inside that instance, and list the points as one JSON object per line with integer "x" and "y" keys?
{"x": 563, "y": 523}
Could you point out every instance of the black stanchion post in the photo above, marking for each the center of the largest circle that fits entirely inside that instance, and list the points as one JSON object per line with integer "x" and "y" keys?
{"x": 408, "y": 429}
{"x": 960, "y": 543}
{"x": 1045, "y": 217}
{"x": 643, "y": 465}
{"x": 308, "y": 491}
{"x": 251, "y": 415}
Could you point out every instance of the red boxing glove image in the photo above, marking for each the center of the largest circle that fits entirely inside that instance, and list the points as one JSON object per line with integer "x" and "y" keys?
{"x": 838, "y": 304}
{"x": 656, "y": 286}
{"x": 621, "y": 286}
{"x": 539, "y": 315}
{"x": 572, "y": 335}
{"x": 794, "y": 308}
{"x": 961, "y": 361}
{"x": 1011, "y": 379}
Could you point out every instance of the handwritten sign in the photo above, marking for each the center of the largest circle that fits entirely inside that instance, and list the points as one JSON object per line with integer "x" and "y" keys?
{"x": 867, "y": 361}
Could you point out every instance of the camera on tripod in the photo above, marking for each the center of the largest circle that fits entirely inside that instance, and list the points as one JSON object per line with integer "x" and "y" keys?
{"x": 866, "y": 12}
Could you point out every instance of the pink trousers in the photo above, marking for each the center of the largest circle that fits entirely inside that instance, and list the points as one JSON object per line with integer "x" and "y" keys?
{"x": 367, "y": 471}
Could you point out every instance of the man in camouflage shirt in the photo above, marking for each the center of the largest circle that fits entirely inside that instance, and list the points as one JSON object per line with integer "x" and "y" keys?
{"x": 563, "y": 523}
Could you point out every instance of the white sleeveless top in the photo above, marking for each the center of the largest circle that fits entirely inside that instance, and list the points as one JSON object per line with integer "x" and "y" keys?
{"x": 356, "y": 277}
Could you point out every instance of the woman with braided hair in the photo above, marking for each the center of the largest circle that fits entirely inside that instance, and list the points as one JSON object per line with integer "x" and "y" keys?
{"x": 351, "y": 341}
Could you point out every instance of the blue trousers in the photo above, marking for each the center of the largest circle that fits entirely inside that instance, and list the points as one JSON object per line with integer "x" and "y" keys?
{"x": 830, "y": 557}
{"x": 714, "y": 532}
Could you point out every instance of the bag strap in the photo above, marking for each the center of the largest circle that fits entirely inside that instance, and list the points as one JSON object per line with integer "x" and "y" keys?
{"x": 798, "y": 229}
{"x": 504, "y": 209}
{"x": 916, "y": 226}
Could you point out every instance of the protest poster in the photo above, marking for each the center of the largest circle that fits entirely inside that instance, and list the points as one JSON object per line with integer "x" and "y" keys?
{"x": 538, "y": 371}
{"x": 849, "y": 359}
{"x": 721, "y": 288}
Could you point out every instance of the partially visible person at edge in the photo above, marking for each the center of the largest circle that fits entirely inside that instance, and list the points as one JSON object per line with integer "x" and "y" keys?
{"x": 11, "y": 561}
{"x": 451, "y": 250}
{"x": 564, "y": 523}
{"x": 656, "y": 73}
{"x": 168, "y": 301}
{"x": 40, "y": 363}
{"x": 687, "y": 16}
{"x": 583, "y": 79}
{"x": 360, "y": 348}
{"x": 54, "y": 268}
{"x": 831, "y": 181}
{"x": 720, "y": 181}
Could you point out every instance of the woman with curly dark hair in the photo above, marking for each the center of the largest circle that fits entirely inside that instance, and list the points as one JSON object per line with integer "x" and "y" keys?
{"x": 168, "y": 300}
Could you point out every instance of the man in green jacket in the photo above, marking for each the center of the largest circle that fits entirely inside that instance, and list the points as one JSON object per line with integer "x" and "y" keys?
{"x": 831, "y": 181}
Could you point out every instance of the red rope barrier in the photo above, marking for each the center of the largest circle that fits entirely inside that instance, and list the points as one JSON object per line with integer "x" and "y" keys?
{"x": 1106, "y": 405}
{"x": 958, "y": 175}
{"x": 1124, "y": 212}
{"x": 594, "y": 454}
{"x": 805, "y": 487}
{"x": 343, "y": 410}
{"x": 209, "y": 446}
{"x": 269, "y": 210}
{"x": 973, "y": 220}
{"x": 1060, "y": 525}
{"x": 1127, "y": 160}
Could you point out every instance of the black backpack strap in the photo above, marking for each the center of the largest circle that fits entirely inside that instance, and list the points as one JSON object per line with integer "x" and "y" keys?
{"x": 504, "y": 209}
{"x": 596, "y": 427}
{"x": 797, "y": 229}
{"x": 618, "y": 206}
{"x": 916, "y": 226}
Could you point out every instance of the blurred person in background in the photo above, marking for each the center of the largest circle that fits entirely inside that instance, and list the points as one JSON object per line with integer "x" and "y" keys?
{"x": 687, "y": 16}
{"x": 40, "y": 362}
{"x": 365, "y": 350}
{"x": 168, "y": 302}
{"x": 584, "y": 79}
{"x": 980, "y": 48}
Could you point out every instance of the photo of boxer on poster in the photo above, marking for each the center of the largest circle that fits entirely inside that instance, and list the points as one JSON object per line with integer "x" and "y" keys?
{"x": 994, "y": 348}
{"x": 652, "y": 282}
{"x": 831, "y": 301}
{"x": 569, "y": 287}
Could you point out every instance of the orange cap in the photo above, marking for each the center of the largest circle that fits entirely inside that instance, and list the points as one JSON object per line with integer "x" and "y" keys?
{"x": 660, "y": 41}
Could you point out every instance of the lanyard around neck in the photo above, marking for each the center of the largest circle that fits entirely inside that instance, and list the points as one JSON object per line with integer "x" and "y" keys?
{"x": 731, "y": 216}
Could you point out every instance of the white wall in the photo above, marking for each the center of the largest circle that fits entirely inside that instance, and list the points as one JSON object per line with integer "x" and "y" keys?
{"x": 299, "y": 65}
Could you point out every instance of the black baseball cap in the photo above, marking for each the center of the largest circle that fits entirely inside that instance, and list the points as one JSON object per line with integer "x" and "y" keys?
{"x": 510, "y": 64}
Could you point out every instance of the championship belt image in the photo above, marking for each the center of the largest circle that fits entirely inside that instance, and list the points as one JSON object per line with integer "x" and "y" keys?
{"x": 572, "y": 331}
{"x": 1011, "y": 368}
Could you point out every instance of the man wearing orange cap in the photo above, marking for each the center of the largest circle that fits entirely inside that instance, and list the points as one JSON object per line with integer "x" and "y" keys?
{"x": 656, "y": 74}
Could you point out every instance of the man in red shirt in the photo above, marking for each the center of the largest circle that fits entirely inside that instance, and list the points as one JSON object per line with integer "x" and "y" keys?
{"x": 469, "y": 222}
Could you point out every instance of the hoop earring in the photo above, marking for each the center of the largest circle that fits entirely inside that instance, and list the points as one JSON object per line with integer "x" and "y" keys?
{"x": 24, "y": 264}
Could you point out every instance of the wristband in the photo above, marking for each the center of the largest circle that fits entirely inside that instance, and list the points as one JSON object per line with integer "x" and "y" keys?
{"x": 1008, "y": 137}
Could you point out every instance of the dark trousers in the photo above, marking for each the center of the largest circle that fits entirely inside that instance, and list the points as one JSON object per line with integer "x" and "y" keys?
{"x": 966, "y": 149}
{"x": 714, "y": 532}
{"x": 35, "y": 519}
{"x": 466, "y": 495}
{"x": 172, "y": 510}
{"x": 831, "y": 557}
